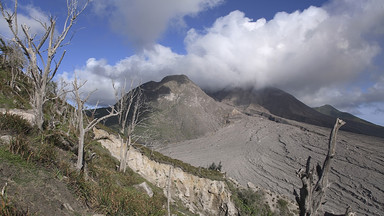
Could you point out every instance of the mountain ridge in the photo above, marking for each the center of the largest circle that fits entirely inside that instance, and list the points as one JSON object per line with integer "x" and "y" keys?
{"x": 285, "y": 105}
{"x": 182, "y": 110}
{"x": 329, "y": 110}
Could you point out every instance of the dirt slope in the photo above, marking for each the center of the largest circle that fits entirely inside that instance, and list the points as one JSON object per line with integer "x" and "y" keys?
{"x": 36, "y": 189}
{"x": 266, "y": 153}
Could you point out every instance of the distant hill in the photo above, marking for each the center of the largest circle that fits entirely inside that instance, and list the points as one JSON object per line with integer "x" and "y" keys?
{"x": 359, "y": 125}
{"x": 283, "y": 104}
{"x": 332, "y": 111}
{"x": 276, "y": 101}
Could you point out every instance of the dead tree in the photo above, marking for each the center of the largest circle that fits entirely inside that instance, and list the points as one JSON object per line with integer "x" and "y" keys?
{"x": 169, "y": 194}
{"x": 41, "y": 51}
{"x": 314, "y": 184}
{"x": 130, "y": 107}
{"x": 82, "y": 129}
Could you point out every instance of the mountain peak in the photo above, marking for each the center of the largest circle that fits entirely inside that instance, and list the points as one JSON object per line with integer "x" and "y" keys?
{"x": 181, "y": 79}
{"x": 180, "y": 109}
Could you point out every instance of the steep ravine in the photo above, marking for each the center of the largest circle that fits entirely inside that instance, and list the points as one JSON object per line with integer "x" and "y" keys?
{"x": 200, "y": 195}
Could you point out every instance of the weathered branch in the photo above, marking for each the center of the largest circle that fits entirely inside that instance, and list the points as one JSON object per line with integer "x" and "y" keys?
{"x": 129, "y": 105}
{"x": 82, "y": 130}
{"x": 40, "y": 66}
{"x": 314, "y": 184}
{"x": 96, "y": 121}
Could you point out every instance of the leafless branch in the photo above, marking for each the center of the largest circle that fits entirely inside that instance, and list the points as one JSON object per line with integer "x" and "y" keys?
{"x": 314, "y": 184}
{"x": 40, "y": 67}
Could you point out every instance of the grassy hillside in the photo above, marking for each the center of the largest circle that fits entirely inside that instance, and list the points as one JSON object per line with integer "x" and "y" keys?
{"x": 101, "y": 188}
{"x": 38, "y": 167}
{"x": 16, "y": 97}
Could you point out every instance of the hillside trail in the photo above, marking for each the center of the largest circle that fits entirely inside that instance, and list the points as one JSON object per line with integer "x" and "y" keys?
{"x": 268, "y": 154}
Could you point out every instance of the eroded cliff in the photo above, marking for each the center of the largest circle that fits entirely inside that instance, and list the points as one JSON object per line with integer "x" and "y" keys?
{"x": 200, "y": 195}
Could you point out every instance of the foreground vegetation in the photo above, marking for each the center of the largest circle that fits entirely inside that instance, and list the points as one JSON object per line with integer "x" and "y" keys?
{"x": 101, "y": 187}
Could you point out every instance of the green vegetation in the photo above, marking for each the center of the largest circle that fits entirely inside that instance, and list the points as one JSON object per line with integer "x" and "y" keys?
{"x": 249, "y": 202}
{"x": 197, "y": 171}
{"x": 114, "y": 193}
{"x": 7, "y": 205}
{"x": 13, "y": 97}
{"x": 14, "y": 124}
{"x": 282, "y": 206}
{"x": 217, "y": 167}
{"x": 102, "y": 187}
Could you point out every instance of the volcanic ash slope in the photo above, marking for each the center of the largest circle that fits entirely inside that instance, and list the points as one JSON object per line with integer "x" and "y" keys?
{"x": 255, "y": 149}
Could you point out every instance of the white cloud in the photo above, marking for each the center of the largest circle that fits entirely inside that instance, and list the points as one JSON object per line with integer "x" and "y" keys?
{"x": 152, "y": 64}
{"x": 143, "y": 21}
{"x": 27, "y": 15}
{"x": 317, "y": 54}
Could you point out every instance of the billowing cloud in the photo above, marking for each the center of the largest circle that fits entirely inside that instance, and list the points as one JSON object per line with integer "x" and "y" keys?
{"x": 143, "y": 21}
{"x": 151, "y": 64}
{"x": 318, "y": 54}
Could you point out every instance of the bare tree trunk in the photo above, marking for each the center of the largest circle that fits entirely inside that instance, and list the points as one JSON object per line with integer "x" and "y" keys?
{"x": 127, "y": 153}
{"x": 40, "y": 68}
{"x": 37, "y": 106}
{"x": 80, "y": 151}
{"x": 169, "y": 191}
{"x": 80, "y": 120}
{"x": 314, "y": 185}
{"x": 129, "y": 106}
{"x": 124, "y": 159}
{"x": 122, "y": 153}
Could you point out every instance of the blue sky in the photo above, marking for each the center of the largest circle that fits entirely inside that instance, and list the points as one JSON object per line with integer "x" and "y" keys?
{"x": 322, "y": 52}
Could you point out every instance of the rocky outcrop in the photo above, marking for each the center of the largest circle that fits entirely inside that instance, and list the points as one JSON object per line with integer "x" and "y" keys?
{"x": 200, "y": 195}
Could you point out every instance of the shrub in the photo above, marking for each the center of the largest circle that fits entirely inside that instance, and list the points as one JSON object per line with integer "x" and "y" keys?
{"x": 253, "y": 203}
{"x": 15, "y": 124}
{"x": 21, "y": 146}
{"x": 249, "y": 202}
{"x": 46, "y": 154}
{"x": 282, "y": 206}
{"x": 215, "y": 167}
